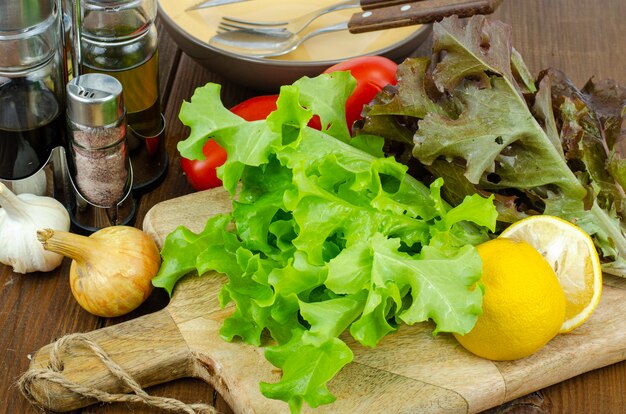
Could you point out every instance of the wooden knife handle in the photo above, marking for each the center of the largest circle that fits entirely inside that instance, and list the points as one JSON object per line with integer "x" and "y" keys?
{"x": 375, "y": 4}
{"x": 420, "y": 12}
{"x": 150, "y": 349}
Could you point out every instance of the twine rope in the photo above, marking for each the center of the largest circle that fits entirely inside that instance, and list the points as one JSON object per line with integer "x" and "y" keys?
{"x": 53, "y": 374}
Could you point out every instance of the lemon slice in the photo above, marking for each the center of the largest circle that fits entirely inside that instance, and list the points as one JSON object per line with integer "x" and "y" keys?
{"x": 573, "y": 256}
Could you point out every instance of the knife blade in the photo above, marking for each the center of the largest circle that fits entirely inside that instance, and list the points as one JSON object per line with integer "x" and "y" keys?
{"x": 212, "y": 3}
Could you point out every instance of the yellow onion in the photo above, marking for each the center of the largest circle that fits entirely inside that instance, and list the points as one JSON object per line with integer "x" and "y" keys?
{"x": 112, "y": 269}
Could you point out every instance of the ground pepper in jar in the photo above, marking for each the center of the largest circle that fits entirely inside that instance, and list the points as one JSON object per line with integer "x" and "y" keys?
{"x": 98, "y": 145}
{"x": 101, "y": 172}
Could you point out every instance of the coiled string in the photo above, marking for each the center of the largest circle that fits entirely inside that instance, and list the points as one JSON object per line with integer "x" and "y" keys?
{"x": 54, "y": 374}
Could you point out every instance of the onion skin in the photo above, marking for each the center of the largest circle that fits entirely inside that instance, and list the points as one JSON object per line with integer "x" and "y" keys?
{"x": 112, "y": 270}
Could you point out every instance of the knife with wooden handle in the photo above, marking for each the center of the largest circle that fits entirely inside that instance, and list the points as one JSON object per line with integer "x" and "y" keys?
{"x": 419, "y": 12}
{"x": 375, "y": 4}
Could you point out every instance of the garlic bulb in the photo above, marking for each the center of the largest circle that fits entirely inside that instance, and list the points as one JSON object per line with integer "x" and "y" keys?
{"x": 20, "y": 218}
{"x": 112, "y": 269}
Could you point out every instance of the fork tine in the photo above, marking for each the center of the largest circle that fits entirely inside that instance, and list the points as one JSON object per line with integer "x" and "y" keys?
{"x": 221, "y": 28}
{"x": 224, "y": 27}
{"x": 234, "y": 20}
{"x": 229, "y": 26}
{"x": 262, "y": 29}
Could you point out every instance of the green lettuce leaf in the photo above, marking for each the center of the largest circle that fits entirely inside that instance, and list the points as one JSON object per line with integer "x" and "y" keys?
{"x": 183, "y": 248}
{"x": 307, "y": 368}
{"x": 326, "y": 236}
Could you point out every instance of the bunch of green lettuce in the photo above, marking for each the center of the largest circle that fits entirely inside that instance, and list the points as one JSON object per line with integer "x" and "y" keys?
{"x": 326, "y": 235}
{"x": 474, "y": 115}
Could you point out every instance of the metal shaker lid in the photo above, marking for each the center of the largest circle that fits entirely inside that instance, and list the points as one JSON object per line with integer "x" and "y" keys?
{"x": 94, "y": 100}
{"x": 19, "y": 15}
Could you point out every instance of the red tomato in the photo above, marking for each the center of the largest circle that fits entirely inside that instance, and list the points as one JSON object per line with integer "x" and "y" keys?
{"x": 372, "y": 74}
{"x": 202, "y": 174}
{"x": 257, "y": 108}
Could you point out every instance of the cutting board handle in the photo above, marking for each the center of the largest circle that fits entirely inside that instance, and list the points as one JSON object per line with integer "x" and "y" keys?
{"x": 150, "y": 349}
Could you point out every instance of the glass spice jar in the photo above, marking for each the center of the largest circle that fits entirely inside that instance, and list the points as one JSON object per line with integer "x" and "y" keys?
{"x": 97, "y": 122}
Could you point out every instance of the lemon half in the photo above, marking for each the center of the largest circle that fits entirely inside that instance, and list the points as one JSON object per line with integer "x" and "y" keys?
{"x": 573, "y": 256}
{"x": 523, "y": 304}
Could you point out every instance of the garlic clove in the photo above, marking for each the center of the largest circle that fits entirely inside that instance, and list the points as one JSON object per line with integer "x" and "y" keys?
{"x": 20, "y": 218}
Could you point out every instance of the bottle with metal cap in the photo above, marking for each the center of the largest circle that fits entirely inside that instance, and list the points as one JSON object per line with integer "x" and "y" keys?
{"x": 119, "y": 38}
{"x": 97, "y": 122}
{"x": 32, "y": 86}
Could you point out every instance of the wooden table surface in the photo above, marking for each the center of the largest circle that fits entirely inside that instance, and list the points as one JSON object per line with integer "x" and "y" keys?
{"x": 584, "y": 38}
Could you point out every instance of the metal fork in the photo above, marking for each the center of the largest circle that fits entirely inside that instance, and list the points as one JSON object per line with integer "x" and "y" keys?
{"x": 253, "y": 42}
{"x": 294, "y": 25}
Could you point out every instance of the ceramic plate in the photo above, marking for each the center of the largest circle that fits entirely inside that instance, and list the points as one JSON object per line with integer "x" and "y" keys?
{"x": 191, "y": 30}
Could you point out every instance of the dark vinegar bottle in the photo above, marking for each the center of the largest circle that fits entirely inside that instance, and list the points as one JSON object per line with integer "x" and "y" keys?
{"x": 31, "y": 125}
{"x": 32, "y": 86}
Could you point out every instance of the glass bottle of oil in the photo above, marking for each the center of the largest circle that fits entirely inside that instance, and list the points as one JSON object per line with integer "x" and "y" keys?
{"x": 119, "y": 38}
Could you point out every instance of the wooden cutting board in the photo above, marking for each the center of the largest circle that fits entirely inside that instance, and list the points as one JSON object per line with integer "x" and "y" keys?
{"x": 409, "y": 372}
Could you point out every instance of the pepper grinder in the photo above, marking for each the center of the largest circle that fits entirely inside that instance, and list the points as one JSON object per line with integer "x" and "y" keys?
{"x": 100, "y": 169}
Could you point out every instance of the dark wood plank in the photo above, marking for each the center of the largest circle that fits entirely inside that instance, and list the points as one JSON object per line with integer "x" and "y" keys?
{"x": 35, "y": 309}
{"x": 583, "y": 38}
